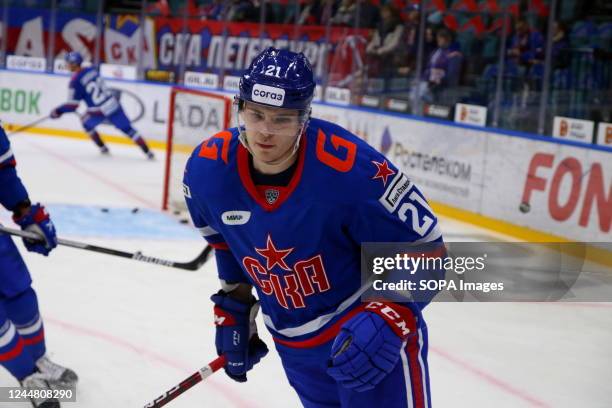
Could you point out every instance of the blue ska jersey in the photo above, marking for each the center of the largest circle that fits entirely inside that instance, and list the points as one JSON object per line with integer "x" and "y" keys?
{"x": 299, "y": 246}
{"x": 14, "y": 275}
{"x": 87, "y": 85}
{"x": 12, "y": 191}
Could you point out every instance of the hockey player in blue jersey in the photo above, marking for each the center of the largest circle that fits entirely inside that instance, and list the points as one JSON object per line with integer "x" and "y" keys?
{"x": 286, "y": 200}
{"x": 22, "y": 336}
{"x": 102, "y": 105}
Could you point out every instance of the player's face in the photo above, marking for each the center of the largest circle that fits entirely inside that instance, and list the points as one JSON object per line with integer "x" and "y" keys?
{"x": 271, "y": 132}
{"x": 73, "y": 67}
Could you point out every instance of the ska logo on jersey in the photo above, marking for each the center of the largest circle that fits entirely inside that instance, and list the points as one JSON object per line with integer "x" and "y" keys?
{"x": 383, "y": 171}
{"x": 272, "y": 195}
{"x": 290, "y": 284}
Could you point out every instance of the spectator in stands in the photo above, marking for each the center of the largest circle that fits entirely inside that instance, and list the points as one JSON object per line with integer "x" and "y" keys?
{"x": 328, "y": 11}
{"x": 242, "y": 11}
{"x": 444, "y": 65}
{"x": 356, "y": 12}
{"x": 308, "y": 13}
{"x": 158, "y": 8}
{"x": 212, "y": 10}
{"x": 410, "y": 46}
{"x": 526, "y": 47}
{"x": 344, "y": 14}
{"x": 443, "y": 69}
{"x": 385, "y": 47}
{"x": 413, "y": 20}
{"x": 560, "y": 45}
{"x": 430, "y": 41}
{"x": 268, "y": 8}
{"x": 560, "y": 57}
{"x": 525, "y": 52}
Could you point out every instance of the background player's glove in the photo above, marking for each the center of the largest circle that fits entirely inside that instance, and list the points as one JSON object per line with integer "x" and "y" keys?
{"x": 368, "y": 345}
{"x": 236, "y": 335}
{"x": 37, "y": 220}
{"x": 55, "y": 113}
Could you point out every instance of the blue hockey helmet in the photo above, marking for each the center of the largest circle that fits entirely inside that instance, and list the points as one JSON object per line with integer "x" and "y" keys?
{"x": 74, "y": 57}
{"x": 279, "y": 78}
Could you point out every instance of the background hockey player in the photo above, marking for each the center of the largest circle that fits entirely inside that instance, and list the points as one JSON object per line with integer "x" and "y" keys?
{"x": 286, "y": 200}
{"x": 102, "y": 105}
{"x": 22, "y": 336}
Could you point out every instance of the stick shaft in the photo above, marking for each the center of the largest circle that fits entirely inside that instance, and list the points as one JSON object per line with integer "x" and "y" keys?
{"x": 187, "y": 383}
{"x": 137, "y": 256}
{"x": 29, "y": 125}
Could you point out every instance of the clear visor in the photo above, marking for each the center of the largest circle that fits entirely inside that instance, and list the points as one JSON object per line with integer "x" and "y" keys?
{"x": 257, "y": 119}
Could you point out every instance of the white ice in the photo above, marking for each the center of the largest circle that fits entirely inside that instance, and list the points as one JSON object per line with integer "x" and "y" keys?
{"x": 132, "y": 330}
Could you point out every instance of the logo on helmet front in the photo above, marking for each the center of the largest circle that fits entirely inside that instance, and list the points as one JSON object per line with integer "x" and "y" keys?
{"x": 268, "y": 95}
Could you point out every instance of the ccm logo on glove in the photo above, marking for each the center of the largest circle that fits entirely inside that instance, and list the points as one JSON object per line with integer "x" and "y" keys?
{"x": 401, "y": 325}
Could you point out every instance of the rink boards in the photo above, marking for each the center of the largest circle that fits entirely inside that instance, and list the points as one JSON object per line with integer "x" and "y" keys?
{"x": 530, "y": 187}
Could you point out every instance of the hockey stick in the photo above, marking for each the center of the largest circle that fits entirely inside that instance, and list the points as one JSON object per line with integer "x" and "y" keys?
{"x": 29, "y": 125}
{"x": 137, "y": 256}
{"x": 187, "y": 383}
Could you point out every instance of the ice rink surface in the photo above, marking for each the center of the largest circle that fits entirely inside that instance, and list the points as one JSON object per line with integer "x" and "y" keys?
{"x": 132, "y": 330}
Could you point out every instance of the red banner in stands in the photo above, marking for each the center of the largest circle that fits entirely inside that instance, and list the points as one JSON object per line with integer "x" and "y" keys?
{"x": 210, "y": 46}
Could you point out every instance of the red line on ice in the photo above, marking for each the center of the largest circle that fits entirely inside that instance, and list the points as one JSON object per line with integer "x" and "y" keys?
{"x": 491, "y": 379}
{"x": 217, "y": 386}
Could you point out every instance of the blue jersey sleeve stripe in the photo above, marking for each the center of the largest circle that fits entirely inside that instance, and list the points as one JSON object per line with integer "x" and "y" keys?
{"x": 68, "y": 107}
{"x": 207, "y": 231}
{"x": 316, "y": 324}
{"x": 6, "y": 156}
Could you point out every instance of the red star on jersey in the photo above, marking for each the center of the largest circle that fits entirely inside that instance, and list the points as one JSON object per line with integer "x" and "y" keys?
{"x": 382, "y": 171}
{"x": 274, "y": 256}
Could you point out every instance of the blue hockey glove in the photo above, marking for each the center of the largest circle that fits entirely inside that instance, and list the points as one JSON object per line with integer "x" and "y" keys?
{"x": 236, "y": 335}
{"x": 368, "y": 345}
{"x": 37, "y": 220}
{"x": 56, "y": 113}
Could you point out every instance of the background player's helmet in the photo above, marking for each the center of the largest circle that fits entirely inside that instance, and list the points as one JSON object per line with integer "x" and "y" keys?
{"x": 74, "y": 57}
{"x": 279, "y": 78}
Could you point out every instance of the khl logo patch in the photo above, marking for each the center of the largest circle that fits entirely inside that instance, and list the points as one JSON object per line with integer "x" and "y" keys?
{"x": 272, "y": 195}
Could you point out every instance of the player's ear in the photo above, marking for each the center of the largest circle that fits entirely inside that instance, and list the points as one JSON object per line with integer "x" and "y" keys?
{"x": 304, "y": 115}
{"x": 239, "y": 102}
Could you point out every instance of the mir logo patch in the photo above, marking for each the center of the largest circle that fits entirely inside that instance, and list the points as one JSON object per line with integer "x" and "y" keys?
{"x": 236, "y": 217}
{"x": 268, "y": 95}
